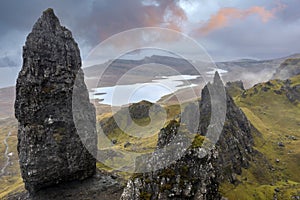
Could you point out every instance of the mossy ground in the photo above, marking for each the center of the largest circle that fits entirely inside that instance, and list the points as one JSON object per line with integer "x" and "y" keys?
{"x": 273, "y": 115}
{"x": 11, "y": 181}
{"x": 278, "y": 121}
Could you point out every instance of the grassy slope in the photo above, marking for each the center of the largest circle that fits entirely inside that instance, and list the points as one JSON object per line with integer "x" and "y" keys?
{"x": 272, "y": 114}
{"x": 145, "y": 143}
{"x": 278, "y": 120}
{"x": 11, "y": 181}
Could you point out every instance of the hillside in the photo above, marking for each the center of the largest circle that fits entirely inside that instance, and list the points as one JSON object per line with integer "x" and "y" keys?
{"x": 290, "y": 67}
{"x": 249, "y": 71}
{"x": 153, "y": 106}
{"x": 274, "y": 110}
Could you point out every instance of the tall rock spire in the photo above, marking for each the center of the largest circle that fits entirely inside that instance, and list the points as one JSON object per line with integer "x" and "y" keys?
{"x": 217, "y": 79}
{"x": 199, "y": 172}
{"x": 50, "y": 149}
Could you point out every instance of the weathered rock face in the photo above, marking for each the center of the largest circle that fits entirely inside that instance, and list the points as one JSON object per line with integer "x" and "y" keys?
{"x": 49, "y": 146}
{"x": 235, "y": 142}
{"x": 235, "y": 88}
{"x": 141, "y": 109}
{"x": 198, "y": 173}
{"x": 101, "y": 186}
{"x": 291, "y": 92}
{"x": 191, "y": 177}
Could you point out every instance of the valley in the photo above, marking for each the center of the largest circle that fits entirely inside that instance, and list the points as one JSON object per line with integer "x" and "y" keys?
{"x": 272, "y": 107}
{"x": 150, "y": 100}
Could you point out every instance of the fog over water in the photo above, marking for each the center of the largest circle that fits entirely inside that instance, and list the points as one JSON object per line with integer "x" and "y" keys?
{"x": 123, "y": 94}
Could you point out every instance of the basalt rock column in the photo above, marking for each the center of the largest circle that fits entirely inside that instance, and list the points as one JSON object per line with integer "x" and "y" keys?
{"x": 49, "y": 146}
{"x": 200, "y": 171}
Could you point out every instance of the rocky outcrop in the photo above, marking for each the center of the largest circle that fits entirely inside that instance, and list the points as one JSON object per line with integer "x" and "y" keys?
{"x": 235, "y": 88}
{"x": 50, "y": 149}
{"x": 141, "y": 109}
{"x": 198, "y": 173}
{"x": 101, "y": 186}
{"x": 193, "y": 176}
{"x": 289, "y": 88}
{"x": 292, "y": 92}
{"x": 235, "y": 144}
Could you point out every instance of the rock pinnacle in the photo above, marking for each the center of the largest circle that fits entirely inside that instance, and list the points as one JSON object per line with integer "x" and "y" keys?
{"x": 50, "y": 149}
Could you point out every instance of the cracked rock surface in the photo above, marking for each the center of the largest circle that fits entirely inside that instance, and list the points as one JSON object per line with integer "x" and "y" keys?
{"x": 49, "y": 147}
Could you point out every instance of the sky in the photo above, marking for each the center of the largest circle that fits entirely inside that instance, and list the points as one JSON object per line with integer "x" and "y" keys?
{"x": 231, "y": 29}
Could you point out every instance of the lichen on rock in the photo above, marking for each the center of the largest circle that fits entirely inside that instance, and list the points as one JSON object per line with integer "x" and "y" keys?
{"x": 50, "y": 149}
{"x": 200, "y": 170}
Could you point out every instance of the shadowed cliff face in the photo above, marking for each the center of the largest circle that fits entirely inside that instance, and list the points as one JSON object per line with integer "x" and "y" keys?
{"x": 49, "y": 147}
{"x": 195, "y": 176}
{"x": 235, "y": 141}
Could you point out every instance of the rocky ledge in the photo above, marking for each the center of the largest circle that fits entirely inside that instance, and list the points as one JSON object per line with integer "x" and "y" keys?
{"x": 101, "y": 186}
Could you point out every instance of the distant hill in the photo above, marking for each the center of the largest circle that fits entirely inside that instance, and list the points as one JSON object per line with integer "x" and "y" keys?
{"x": 248, "y": 70}
{"x": 290, "y": 67}
{"x": 7, "y": 97}
{"x": 272, "y": 108}
{"x": 145, "y": 70}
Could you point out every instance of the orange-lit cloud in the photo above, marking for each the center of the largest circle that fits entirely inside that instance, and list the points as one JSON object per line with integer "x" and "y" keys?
{"x": 225, "y": 16}
{"x": 168, "y": 15}
{"x": 174, "y": 17}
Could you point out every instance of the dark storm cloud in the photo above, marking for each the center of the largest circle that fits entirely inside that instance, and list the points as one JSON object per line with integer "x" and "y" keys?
{"x": 91, "y": 21}
{"x": 111, "y": 17}
{"x": 18, "y": 17}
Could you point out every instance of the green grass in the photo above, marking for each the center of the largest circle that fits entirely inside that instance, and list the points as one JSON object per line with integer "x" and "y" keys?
{"x": 139, "y": 144}
{"x": 11, "y": 182}
{"x": 295, "y": 80}
{"x": 276, "y": 118}
{"x": 272, "y": 114}
{"x": 198, "y": 141}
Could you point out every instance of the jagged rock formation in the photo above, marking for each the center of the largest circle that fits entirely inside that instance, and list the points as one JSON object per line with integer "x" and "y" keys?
{"x": 286, "y": 87}
{"x": 235, "y": 88}
{"x": 197, "y": 174}
{"x": 128, "y": 116}
{"x": 235, "y": 142}
{"x": 191, "y": 177}
{"x": 141, "y": 109}
{"x": 291, "y": 92}
{"x": 50, "y": 149}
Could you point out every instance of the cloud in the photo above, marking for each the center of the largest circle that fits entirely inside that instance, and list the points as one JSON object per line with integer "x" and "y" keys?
{"x": 174, "y": 17}
{"x": 225, "y": 16}
{"x": 252, "y": 39}
{"x": 6, "y": 61}
{"x": 93, "y": 21}
{"x": 110, "y": 18}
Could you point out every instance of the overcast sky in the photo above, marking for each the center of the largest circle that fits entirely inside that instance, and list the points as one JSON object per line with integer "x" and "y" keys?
{"x": 228, "y": 29}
